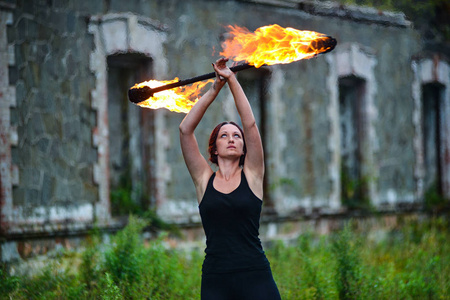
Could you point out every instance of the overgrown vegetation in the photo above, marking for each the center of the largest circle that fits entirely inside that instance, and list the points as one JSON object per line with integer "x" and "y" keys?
{"x": 123, "y": 204}
{"x": 354, "y": 192}
{"x": 125, "y": 200}
{"x": 433, "y": 199}
{"x": 412, "y": 261}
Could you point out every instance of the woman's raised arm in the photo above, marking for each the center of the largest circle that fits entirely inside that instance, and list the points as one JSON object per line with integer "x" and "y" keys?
{"x": 197, "y": 165}
{"x": 254, "y": 160}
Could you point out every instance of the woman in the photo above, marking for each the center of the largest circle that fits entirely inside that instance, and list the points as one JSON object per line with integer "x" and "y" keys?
{"x": 230, "y": 200}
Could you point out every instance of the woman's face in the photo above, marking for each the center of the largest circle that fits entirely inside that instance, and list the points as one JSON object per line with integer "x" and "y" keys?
{"x": 230, "y": 142}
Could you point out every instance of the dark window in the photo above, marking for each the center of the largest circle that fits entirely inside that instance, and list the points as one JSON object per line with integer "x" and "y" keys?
{"x": 352, "y": 132}
{"x": 130, "y": 136}
{"x": 431, "y": 99}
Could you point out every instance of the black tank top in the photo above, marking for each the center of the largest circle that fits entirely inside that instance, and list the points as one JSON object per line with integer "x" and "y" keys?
{"x": 231, "y": 224}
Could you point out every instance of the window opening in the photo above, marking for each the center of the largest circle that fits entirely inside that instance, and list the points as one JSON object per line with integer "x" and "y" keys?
{"x": 130, "y": 136}
{"x": 351, "y": 117}
{"x": 431, "y": 119}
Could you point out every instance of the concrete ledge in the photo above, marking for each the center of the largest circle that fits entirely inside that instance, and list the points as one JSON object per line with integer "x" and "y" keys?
{"x": 350, "y": 12}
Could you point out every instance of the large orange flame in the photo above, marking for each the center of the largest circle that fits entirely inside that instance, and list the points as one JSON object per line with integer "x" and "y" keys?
{"x": 180, "y": 99}
{"x": 272, "y": 44}
{"x": 268, "y": 45}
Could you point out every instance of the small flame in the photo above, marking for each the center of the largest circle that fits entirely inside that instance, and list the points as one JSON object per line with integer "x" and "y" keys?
{"x": 272, "y": 44}
{"x": 180, "y": 99}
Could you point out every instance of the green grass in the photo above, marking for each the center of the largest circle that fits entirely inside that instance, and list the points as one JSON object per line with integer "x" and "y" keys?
{"x": 412, "y": 261}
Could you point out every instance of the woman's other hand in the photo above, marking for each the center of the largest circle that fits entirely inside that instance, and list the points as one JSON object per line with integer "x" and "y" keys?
{"x": 222, "y": 70}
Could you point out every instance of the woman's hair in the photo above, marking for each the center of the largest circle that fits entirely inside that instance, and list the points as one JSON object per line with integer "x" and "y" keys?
{"x": 212, "y": 148}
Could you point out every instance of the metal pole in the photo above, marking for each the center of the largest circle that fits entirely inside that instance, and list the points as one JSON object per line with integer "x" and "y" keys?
{"x": 137, "y": 95}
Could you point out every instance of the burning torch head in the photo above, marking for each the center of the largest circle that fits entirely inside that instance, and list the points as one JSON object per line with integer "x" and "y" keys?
{"x": 137, "y": 95}
{"x": 328, "y": 43}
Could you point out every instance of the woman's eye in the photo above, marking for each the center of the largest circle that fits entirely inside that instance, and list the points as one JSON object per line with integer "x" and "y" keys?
{"x": 223, "y": 135}
{"x": 237, "y": 135}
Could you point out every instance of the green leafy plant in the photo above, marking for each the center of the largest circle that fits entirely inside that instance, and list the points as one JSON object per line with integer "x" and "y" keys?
{"x": 123, "y": 261}
{"x": 354, "y": 192}
{"x": 122, "y": 203}
{"x": 111, "y": 291}
{"x": 8, "y": 284}
{"x": 348, "y": 272}
{"x": 433, "y": 199}
{"x": 89, "y": 268}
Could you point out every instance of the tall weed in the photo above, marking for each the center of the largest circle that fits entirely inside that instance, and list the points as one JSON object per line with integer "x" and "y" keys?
{"x": 8, "y": 284}
{"x": 89, "y": 270}
{"x": 111, "y": 291}
{"x": 124, "y": 260}
{"x": 348, "y": 267}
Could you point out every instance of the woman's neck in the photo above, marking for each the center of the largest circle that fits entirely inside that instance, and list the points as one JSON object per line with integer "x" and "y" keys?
{"x": 228, "y": 170}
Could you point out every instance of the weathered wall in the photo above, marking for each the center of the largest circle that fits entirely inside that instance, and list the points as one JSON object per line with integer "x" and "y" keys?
{"x": 54, "y": 98}
{"x": 53, "y": 117}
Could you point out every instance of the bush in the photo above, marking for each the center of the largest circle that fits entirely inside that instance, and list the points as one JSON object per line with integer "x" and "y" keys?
{"x": 124, "y": 261}
{"x": 8, "y": 284}
{"x": 413, "y": 262}
{"x": 348, "y": 269}
{"x": 139, "y": 272}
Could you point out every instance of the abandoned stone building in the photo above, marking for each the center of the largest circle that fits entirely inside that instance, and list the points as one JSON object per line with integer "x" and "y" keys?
{"x": 365, "y": 127}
